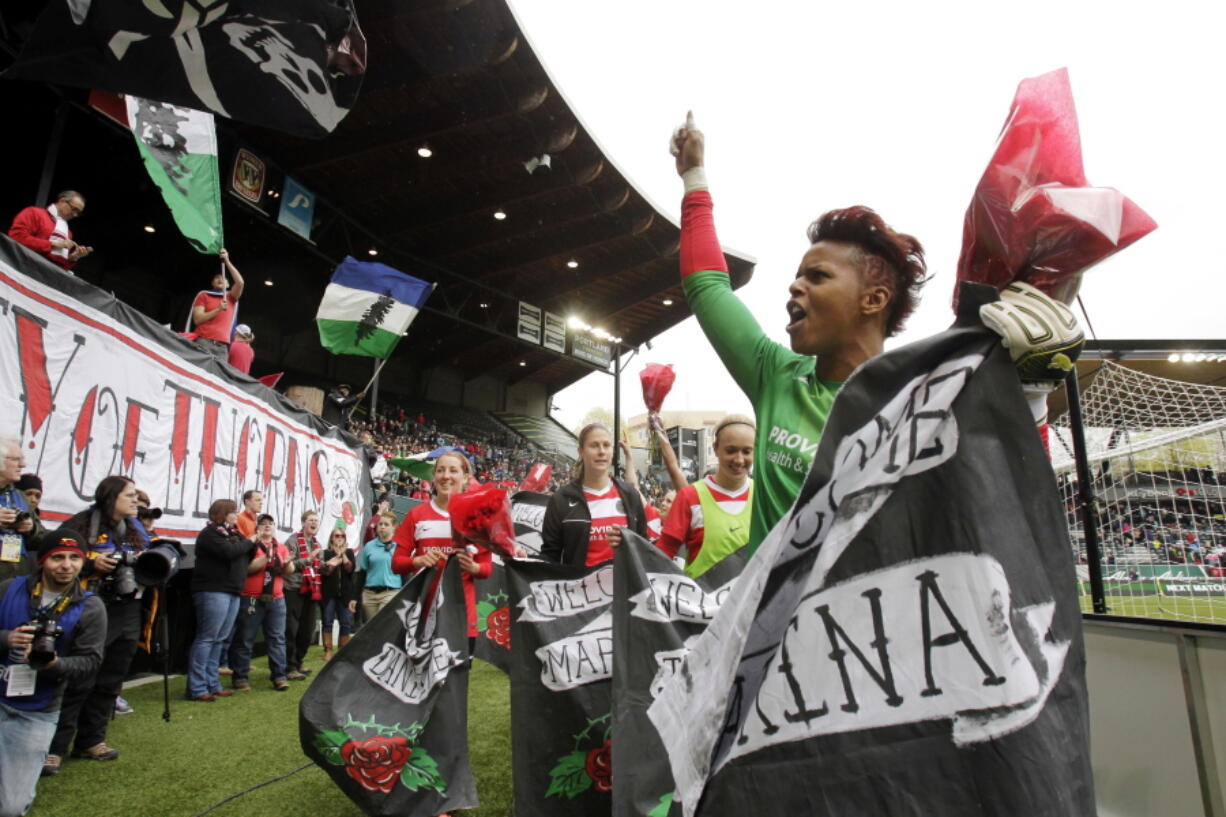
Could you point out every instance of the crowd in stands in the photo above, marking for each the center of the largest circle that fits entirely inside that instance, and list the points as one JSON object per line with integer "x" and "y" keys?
{"x": 497, "y": 455}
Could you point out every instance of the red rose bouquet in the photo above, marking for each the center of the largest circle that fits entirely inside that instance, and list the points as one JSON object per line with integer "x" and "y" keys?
{"x": 1034, "y": 217}
{"x": 483, "y": 517}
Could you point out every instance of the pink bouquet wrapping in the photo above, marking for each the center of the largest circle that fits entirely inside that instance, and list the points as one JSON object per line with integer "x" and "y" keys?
{"x": 1034, "y": 217}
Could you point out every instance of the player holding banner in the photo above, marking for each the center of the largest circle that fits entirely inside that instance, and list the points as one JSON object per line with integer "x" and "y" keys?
{"x": 854, "y": 287}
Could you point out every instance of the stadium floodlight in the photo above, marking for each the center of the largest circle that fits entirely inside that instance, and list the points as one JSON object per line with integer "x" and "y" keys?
{"x": 1173, "y": 357}
{"x": 500, "y": 215}
{"x": 425, "y": 152}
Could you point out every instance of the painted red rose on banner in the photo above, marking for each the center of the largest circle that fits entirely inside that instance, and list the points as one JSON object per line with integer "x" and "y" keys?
{"x": 498, "y": 627}
{"x": 600, "y": 766}
{"x": 376, "y": 762}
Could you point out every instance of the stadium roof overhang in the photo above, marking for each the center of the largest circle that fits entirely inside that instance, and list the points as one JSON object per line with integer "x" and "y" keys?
{"x": 459, "y": 79}
{"x": 454, "y": 76}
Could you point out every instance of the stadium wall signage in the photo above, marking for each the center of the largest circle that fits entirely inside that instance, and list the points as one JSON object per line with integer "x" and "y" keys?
{"x": 93, "y": 387}
{"x": 1215, "y": 589}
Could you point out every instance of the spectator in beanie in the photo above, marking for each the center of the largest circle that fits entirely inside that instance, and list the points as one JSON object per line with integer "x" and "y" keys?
{"x": 241, "y": 353}
{"x": 28, "y": 718}
{"x": 31, "y": 487}
{"x": 337, "y": 404}
{"x": 222, "y": 556}
{"x": 339, "y": 599}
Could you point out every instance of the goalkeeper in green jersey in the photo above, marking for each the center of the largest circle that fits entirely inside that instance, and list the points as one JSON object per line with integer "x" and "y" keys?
{"x": 855, "y": 286}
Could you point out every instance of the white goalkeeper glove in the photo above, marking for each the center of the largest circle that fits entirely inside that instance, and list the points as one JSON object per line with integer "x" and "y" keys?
{"x": 1041, "y": 334}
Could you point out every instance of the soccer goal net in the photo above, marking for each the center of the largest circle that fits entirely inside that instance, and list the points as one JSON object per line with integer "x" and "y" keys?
{"x": 1157, "y": 456}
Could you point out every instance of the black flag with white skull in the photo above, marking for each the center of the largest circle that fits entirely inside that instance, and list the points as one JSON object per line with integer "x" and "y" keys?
{"x": 658, "y": 612}
{"x": 387, "y": 717}
{"x": 561, "y": 666}
{"x": 907, "y": 641}
{"x": 292, "y": 65}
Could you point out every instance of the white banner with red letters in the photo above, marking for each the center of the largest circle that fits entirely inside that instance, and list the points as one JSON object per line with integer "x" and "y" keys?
{"x": 93, "y": 388}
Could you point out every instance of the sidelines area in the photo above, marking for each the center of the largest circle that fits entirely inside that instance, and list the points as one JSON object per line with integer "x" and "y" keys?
{"x": 208, "y": 752}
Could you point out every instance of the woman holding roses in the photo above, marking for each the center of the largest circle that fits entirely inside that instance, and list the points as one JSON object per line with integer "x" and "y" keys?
{"x": 424, "y": 537}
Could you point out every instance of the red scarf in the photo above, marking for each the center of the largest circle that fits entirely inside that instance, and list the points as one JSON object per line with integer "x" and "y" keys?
{"x": 312, "y": 583}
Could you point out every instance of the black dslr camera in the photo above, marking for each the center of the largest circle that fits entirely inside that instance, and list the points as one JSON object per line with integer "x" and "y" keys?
{"x": 122, "y": 580}
{"x": 42, "y": 650}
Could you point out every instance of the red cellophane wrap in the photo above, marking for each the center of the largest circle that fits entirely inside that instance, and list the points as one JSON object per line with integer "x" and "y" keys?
{"x": 657, "y": 379}
{"x": 483, "y": 517}
{"x": 537, "y": 478}
{"x": 1034, "y": 217}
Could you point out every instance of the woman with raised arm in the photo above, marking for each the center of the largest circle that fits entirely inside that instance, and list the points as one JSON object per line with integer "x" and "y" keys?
{"x": 584, "y": 518}
{"x": 854, "y": 287}
{"x": 710, "y": 518}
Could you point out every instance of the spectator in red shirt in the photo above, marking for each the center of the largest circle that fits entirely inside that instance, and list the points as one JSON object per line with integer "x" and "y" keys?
{"x": 262, "y": 604}
{"x": 45, "y": 230}
{"x": 241, "y": 353}
{"x": 213, "y": 310}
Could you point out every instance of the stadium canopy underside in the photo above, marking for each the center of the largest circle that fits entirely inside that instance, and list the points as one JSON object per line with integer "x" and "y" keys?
{"x": 457, "y": 78}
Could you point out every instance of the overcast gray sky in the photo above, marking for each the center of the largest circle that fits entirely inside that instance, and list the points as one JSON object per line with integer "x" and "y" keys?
{"x": 897, "y": 105}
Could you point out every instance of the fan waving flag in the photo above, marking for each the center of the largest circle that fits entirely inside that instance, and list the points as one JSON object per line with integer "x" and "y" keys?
{"x": 368, "y": 307}
{"x": 179, "y": 149}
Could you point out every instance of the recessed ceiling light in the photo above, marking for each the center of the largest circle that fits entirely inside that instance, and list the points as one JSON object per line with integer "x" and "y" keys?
{"x": 499, "y": 215}
{"x": 425, "y": 152}
{"x": 667, "y": 302}
{"x": 267, "y": 282}
{"x": 572, "y": 263}
{"x": 523, "y": 363}
{"x": 373, "y": 251}
{"x": 484, "y": 305}
{"x": 149, "y": 228}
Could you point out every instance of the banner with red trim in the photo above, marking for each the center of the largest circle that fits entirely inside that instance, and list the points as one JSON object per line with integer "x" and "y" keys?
{"x": 93, "y": 387}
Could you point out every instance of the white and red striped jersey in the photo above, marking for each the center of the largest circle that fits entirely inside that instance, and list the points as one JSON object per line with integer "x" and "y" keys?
{"x": 684, "y": 525}
{"x": 607, "y": 512}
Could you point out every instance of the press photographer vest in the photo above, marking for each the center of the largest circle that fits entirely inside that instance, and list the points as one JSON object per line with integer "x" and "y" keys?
{"x": 14, "y": 612}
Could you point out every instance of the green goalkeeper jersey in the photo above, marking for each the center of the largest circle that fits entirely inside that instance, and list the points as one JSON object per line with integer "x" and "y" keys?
{"x": 791, "y": 402}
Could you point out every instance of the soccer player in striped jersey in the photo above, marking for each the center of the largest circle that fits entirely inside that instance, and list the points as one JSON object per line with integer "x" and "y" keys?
{"x": 424, "y": 537}
{"x": 584, "y": 518}
{"x": 710, "y": 518}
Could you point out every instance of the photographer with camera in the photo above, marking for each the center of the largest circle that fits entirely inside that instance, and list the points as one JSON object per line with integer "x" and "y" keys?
{"x": 115, "y": 538}
{"x": 263, "y": 604}
{"x": 51, "y": 633}
{"x": 16, "y": 525}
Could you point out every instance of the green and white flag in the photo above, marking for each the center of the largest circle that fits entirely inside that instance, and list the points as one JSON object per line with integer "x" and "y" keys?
{"x": 179, "y": 148}
{"x": 368, "y": 307}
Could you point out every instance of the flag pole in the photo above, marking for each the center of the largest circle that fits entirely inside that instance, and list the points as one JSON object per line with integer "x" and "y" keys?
{"x": 378, "y": 369}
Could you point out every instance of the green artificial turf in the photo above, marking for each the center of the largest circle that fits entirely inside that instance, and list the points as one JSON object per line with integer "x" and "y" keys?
{"x": 1170, "y": 608}
{"x": 209, "y": 751}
